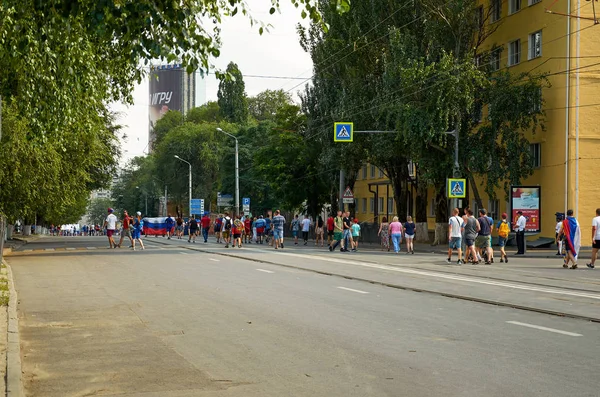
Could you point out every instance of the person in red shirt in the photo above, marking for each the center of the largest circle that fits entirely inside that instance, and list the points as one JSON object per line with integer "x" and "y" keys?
{"x": 205, "y": 223}
{"x": 330, "y": 222}
{"x": 126, "y": 232}
{"x": 247, "y": 230}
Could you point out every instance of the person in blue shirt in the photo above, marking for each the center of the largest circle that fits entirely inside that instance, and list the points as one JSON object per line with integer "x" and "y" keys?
{"x": 268, "y": 230}
{"x": 260, "y": 225}
{"x": 491, "y": 220}
{"x": 170, "y": 223}
{"x": 409, "y": 235}
{"x": 138, "y": 224}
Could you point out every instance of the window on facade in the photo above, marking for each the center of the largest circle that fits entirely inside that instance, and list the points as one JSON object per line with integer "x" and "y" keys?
{"x": 514, "y": 6}
{"x": 532, "y": 2}
{"x": 432, "y": 207}
{"x": 364, "y": 172}
{"x": 371, "y": 205}
{"x": 477, "y": 112}
{"x": 495, "y": 59}
{"x": 493, "y": 209}
{"x": 380, "y": 173}
{"x": 536, "y": 154}
{"x": 391, "y": 208}
{"x": 372, "y": 171}
{"x": 412, "y": 169}
{"x": 536, "y": 101}
{"x": 514, "y": 52}
{"x": 535, "y": 45}
{"x": 364, "y": 205}
{"x": 480, "y": 16}
{"x": 380, "y": 207}
{"x": 496, "y": 10}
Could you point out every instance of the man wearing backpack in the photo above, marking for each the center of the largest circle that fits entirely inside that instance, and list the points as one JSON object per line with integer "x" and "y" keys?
{"x": 227, "y": 224}
{"x": 503, "y": 231}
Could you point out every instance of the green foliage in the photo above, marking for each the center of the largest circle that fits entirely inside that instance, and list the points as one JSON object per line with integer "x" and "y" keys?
{"x": 232, "y": 96}
{"x": 207, "y": 113}
{"x": 97, "y": 210}
{"x": 265, "y": 105}
{"x": 165, "y": 124}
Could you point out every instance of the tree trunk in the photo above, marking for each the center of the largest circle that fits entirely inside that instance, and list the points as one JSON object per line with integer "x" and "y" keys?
{"x": 441, "y": 215}
{"x": 2, "y": 231}
{"x": 475, "y": 191}
{"x": 422, "y": 230}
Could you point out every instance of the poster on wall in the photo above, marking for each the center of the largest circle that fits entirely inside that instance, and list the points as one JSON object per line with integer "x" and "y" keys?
{"x": 166, "y": 85}
{"x": 528, "y": 200}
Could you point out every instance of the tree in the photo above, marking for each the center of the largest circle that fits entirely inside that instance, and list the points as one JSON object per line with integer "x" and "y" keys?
{"x": 265, "y": 105}
{"x": 97, "y": 210}
{"x": 207, "y": 113}
{"x": 232, "y": 96}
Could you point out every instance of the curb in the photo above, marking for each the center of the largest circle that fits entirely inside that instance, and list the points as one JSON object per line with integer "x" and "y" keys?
{"x": 14, "y": 380}
{"x": 403, "y": 287}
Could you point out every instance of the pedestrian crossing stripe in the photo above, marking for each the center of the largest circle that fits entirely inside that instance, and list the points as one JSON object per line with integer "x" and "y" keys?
{"x": 343, "y": 132}
{"x": 457, "y": 188}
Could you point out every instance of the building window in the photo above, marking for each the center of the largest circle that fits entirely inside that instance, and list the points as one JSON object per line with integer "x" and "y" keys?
{"x": 477, "y": 112}
{"x": 535, "y": 45}
{"x": 532, "y": 2}
{"x": 536, "y": 155}
{"x": 372, "y": 204}
{"x": 536, "y": 101}
{"x": 364, "y": 172}
{"x": 489, "y": 115}
{"x": 372, "y": 171}
{"x": 432, "y": 207}
{"x": 493, "y": 209}
{"x": 495, "y": 59}
{"x": 380, "y": 173}
{"x": 364, "y": 205}
{"x": 391, "y": 208}
{"x": 496, "y": 10}
{"x": 380, "y": 207}
{"x": 514, "y": 52}
{"x": 480, "y": 17}
{"x": 514, "y": 6}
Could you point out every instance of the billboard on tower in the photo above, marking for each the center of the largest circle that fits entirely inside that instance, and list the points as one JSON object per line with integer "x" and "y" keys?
{"x": 172, "y": 88}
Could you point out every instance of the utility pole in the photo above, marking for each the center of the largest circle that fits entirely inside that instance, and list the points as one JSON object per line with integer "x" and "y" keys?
{"x": 341, "y": 206}
{"x": 237, "y": 172}
{"x": 165, "y": 210}
{"x": 190, "y": 179}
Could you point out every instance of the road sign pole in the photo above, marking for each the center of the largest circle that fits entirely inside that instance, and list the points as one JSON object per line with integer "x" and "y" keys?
{"x": 341, "y": 206}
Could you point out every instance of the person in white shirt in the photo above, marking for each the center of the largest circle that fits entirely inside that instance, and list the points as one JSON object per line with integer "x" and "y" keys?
{"x": 559, "y": 242}
{"x": 455, "y": 228}
{"x": 520, "y": 230}
{"x": 111, "y": 224}
{"x": 305, "y": 229}
{"x": 595, "y": 238}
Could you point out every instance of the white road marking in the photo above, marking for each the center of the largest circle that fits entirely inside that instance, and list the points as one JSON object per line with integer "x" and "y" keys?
{"x": 90, "y": 248}
{"x": 214, "y": 260}
{"x": 184, "y": 253}
{"x": 556, "y": 331}
{"x": 71, "y": 249}
{"x": 27, "y": 250}
{"x": 526, "y": 287}
{"x": 48, "y": 249}
{"x": 353, "y": 290}
{"x": 265, "y": 271}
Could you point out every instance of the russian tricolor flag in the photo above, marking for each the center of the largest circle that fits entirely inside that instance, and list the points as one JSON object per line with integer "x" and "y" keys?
{"x": 155, "y": 226}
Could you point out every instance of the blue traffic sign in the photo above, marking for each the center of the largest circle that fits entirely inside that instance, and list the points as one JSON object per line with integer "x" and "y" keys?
{"x": 343, "y": 132}
{"x": 197, "y": 206}
{"x": 246, "y": 201}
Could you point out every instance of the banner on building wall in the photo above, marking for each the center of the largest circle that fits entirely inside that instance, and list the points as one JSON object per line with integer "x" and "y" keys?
{"x": 527, "y": 199}
{"x": 166, "y": 93}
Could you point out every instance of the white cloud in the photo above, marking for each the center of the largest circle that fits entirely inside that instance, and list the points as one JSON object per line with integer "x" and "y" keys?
{"x": 277, "y": 53}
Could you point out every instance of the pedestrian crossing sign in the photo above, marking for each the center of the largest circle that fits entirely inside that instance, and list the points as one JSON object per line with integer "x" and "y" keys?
{"x": 343, "y": 132}
{"x": 457, "y": 188}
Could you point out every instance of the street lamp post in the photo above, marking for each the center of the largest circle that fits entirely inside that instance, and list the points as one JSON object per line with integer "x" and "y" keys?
{"x": 190, "y": 191}
{"x": 237, "y": 172}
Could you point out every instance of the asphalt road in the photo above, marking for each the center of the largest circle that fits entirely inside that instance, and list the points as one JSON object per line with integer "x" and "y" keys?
{"x": 173, "y": 322}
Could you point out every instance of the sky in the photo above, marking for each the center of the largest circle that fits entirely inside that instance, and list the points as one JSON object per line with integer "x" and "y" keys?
{"x": 275, "y": 53}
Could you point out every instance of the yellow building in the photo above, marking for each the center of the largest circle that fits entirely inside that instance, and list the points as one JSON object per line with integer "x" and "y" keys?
{"x": 567, "y": 153}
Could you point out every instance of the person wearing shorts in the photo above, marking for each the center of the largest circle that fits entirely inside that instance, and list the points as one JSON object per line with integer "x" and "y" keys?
{"x": 330, "y": 227}
{"x": 137, "y": 231}
{"x": 409, "y": 235}
{"x": 595, "y": 239}
{"x": 278, "y": 223}
{"x": 338, "y": 232}
{"x": 471, "y": 227}
{"x": 111, "y": 224}
{"x": 218, "y": 226}
{"x": 455, "y": 229}
{"x": 260, "y": 229}
{"x": 238, "y": 230}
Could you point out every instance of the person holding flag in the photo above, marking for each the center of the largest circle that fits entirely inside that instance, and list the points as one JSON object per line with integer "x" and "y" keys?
{"x": 572, "y": 239}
